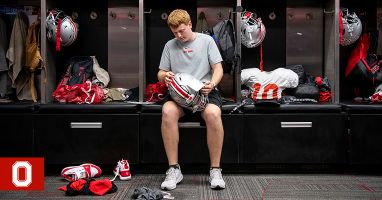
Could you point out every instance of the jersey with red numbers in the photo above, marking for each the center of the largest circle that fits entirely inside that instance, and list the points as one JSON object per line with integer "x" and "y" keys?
{"x": 268, "y": 85}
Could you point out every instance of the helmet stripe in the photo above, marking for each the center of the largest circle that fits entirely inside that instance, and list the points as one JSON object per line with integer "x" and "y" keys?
{"x": 179, "y": 90}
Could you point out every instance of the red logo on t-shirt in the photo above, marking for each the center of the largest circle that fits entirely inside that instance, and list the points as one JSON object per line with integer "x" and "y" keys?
{"x": 187, "y": 50}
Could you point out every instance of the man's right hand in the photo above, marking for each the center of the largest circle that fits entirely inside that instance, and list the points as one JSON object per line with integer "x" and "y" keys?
{"x": 168, "y": 76}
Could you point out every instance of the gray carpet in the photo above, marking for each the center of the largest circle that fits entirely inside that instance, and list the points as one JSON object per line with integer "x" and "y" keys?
{"x": 239, "y": 187}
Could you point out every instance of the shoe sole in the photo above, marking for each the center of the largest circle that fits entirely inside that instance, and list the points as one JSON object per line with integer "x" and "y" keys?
{"x": 177, "y": 182}
{"x": 217, "y": 187}
{"x": 124, "y": 178}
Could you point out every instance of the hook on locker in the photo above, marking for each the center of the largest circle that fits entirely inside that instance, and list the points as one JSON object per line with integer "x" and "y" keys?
{"x": 130, "y": 15}
{"x": 272, "y": 15}
{"x": 164, "y": 16}
{"x": 328, "y": 12}
{"x": 220, "y": 15}
{"x": 113, "y": 15}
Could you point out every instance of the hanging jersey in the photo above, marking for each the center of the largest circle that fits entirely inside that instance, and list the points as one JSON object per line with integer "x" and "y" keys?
{"x": 268, "y": 85}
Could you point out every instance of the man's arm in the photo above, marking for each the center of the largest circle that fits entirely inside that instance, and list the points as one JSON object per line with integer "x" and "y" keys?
{"x": 217, "y": 74}
{"x": 161, "y": 74}
{"x": 165, "y": 76}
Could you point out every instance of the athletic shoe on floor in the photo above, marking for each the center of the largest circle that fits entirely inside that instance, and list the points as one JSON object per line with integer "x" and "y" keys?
{"x": 173, "y": 177}
{"x": 122, "y": 170}
{"x": 216, "y": 178}
{"x": 85, "y": 171}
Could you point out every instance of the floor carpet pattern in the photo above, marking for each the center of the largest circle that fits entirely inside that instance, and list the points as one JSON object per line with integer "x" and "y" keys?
{"x": 239, "y": 187}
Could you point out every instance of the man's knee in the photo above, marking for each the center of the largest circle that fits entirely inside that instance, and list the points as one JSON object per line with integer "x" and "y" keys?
{"x": 211, "y": 113}
{"x": 170, "y": 111}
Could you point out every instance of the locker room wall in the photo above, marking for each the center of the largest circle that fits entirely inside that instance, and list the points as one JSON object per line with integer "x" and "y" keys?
{"x": 123, "y": 44}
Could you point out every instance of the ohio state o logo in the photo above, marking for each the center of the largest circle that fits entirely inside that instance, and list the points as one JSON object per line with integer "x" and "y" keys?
{"x": 16, "y": 167}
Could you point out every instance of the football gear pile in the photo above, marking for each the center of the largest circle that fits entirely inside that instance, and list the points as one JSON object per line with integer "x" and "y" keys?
{"x": 268, "y": 85}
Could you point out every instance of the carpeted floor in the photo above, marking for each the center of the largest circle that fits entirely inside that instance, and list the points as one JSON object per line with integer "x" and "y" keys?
{"x": 239, "y": 187}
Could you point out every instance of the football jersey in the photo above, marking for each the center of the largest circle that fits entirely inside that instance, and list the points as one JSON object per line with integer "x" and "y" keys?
{"x": 268, "y": 85}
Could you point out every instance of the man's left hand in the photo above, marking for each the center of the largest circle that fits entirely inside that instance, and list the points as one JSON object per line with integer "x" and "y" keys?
{"x": 207, "y": 88}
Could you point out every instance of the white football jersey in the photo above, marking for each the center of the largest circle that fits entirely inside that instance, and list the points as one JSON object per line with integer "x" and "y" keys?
{"x": 268, "y": 85}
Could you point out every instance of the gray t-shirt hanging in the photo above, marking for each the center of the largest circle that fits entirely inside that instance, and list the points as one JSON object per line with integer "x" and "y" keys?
{"x": 194, "y": 57}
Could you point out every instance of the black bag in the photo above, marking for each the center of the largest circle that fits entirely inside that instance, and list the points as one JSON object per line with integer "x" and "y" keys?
{"x": 224, "y": 36}
{"x": 299, "y": 70}
{"x": 364, "y": 66}
{"x": 80, "y": 69}
{"x": 307, "y": 91}
{"x": 368, "y": 69}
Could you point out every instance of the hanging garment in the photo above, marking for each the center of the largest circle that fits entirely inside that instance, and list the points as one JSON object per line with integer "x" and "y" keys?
{"x": 201, "y": 23}
{"x": 3, "y": 45}
{"x": 16, "y": 55}
{"x": 33, "y": 55}
{"x": 3, "y": 60}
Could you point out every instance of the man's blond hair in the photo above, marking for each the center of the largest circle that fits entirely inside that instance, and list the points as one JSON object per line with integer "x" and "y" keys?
{"x": 178, "y": 17}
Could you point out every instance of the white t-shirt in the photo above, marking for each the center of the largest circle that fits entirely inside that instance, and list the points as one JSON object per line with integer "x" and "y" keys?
{"x": 193, "y": 57}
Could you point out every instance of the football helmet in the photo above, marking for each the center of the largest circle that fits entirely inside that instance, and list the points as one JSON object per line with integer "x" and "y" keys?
{"x": 68, "y": 29}
{"x": 252, "y": 30}
{"x": 184, "y": 95}
{"x": 351, "y": 27}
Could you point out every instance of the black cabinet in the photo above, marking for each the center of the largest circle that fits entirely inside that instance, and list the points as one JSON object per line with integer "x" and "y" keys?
{"x": 366, "y": 138}
{"x": 151, "y": 144}
{"x": 16, "y": 134}
{"x": 298, "y": 138}
{"x": 16, "y": 122}
{"x": 233, "y": 138}
{"x": 192, "y": 138}
{"x": 365, "y": 133}
{"x": 79, "y": 138}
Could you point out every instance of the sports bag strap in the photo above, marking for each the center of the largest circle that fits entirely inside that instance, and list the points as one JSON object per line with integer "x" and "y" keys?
{"x": 58, "y": 35}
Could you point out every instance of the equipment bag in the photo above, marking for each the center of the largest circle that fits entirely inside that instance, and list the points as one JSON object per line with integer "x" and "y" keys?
{"x": 81, "y": 69}
{"x": 364, "y": 65}
{"x": 75, "y": 85}
{"x": 224, "y": 36}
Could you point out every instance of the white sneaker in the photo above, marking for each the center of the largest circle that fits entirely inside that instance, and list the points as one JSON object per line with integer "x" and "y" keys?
{"x": 84, "y": 171}
{"x": 122, "y": 170}
{"x": 216, "y": 178}
{"x": 173, "y": 177}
